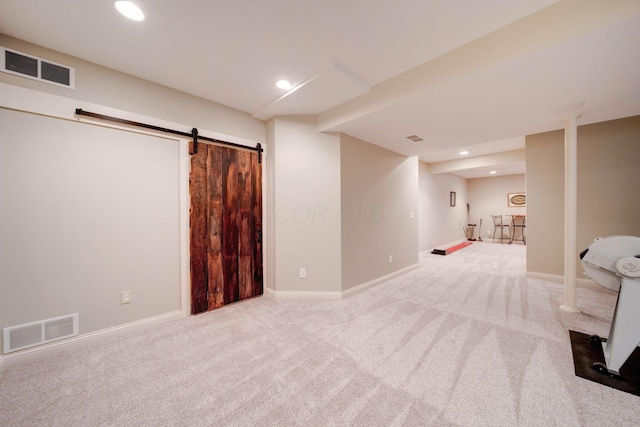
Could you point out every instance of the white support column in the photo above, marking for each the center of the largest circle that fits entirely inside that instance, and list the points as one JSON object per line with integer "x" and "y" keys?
{"x": 570, "y": 212}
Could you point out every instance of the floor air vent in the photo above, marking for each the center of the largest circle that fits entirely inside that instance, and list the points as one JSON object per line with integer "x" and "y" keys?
{"x": 32, "y": 67}
{"x": 32, "y": 334}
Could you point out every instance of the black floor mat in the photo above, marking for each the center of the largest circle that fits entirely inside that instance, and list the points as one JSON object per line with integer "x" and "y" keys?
{"x": 586, "y": 353}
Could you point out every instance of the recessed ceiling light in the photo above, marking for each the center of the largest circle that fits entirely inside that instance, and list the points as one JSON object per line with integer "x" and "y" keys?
{"x": 129, "y": 10}
{"x": 284, "y": 84}
{"x": 464, "y": 153}
{"x": 493, "y": 172}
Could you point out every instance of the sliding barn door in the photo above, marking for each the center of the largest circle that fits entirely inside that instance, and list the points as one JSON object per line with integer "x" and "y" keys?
{"x": 226, "y": 226}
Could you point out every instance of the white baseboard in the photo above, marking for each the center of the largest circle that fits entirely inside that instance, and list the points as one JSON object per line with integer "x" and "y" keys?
{"x": 319, "y": 295}
{"x": 379, "y": 280}
{"x": 327, "y": 295}
{"x": 556, "y": 278}
{"x": 12, "y": 357}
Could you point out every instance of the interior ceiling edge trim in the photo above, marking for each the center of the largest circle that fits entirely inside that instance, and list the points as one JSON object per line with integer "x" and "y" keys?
{"x": 327, "y": 80}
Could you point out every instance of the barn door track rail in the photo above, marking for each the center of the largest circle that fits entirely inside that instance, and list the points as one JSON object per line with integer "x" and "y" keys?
{"x": 194, "y": 132}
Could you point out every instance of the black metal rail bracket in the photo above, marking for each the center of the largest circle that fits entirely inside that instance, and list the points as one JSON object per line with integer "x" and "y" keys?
{"x": 194, "y": 135}
{"x": 194, "y": 132}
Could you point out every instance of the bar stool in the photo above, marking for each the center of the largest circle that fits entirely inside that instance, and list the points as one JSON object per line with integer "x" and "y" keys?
{"x": 518, "y": 222}
{"x": 498, "y": 226}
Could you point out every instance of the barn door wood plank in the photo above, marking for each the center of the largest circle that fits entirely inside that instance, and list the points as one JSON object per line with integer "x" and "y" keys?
{"x": 214, "y": 248}
{"x": 198, "y": 222}
{"x": 256, "y": 206}
{"x": 226, "y": 227}
{"x": 245, "y": 232}
{"x": 230, "y": 224}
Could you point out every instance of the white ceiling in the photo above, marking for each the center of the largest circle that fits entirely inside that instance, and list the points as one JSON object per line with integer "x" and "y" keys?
{"x": 467, "y": 74}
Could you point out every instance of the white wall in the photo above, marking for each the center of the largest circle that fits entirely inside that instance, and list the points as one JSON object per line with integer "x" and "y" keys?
{"x": 488, "y": 196}
{"x": 379, "y": 190}
{"x": 106, "y": 91}
{"x": 305, "y": 215}
{"x": 109, "y": 88}
{"x": 439, "y": 223}
{"x": 87, "y": 212}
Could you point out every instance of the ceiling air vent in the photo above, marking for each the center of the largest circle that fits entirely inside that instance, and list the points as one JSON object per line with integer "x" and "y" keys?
{"x": 32, "y": 67}
{"x": 415, "y": 138}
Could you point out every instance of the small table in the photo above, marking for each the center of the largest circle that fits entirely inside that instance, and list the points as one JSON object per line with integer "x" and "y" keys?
{"x": 518, "y": 222}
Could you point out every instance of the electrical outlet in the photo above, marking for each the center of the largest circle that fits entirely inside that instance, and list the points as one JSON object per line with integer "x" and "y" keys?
{"x": 303, "y": 273}
{"x": 125, "y": 297}
{"x": 390, "y": 259}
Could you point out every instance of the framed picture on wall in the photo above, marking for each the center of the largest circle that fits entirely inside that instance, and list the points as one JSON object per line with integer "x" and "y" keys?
{"x": 516, "y": 200}
{"x": 452, "y": 198}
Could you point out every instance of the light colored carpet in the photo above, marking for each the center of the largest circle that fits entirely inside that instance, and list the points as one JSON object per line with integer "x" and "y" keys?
{"x": 464, "y": 340}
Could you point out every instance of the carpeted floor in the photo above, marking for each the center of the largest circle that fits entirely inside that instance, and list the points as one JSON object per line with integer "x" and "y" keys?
{"x": 464, "y": 340}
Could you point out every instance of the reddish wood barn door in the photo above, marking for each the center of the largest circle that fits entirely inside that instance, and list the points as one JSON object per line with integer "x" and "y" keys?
{"x": 226, "y": 226}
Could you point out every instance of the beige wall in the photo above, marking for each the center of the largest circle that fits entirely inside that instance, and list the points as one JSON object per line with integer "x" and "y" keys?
{"x": 545, "y": 203}
{"x": 488, "y": 196}
{"x": 608, "y": 195}
{"x": 379, "y": 190}
{"x": 439, "y": 223}
{"x": 104, "y": 86}
{"x": 269, "y": 229}
{"x": 305, "y": 215}
{"x": 340, "y": 206}
{"x": 303, "y": 173}
{"x": 77, "y": 253}
{"x": 87, "y": 212}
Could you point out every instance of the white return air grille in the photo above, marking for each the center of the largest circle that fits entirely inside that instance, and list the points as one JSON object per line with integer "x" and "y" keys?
{"x": 32, "y": 67}
{"x": 37, "y": 333}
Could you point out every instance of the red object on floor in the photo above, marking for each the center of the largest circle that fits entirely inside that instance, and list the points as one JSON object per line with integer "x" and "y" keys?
{"x": 451, "y": 249}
